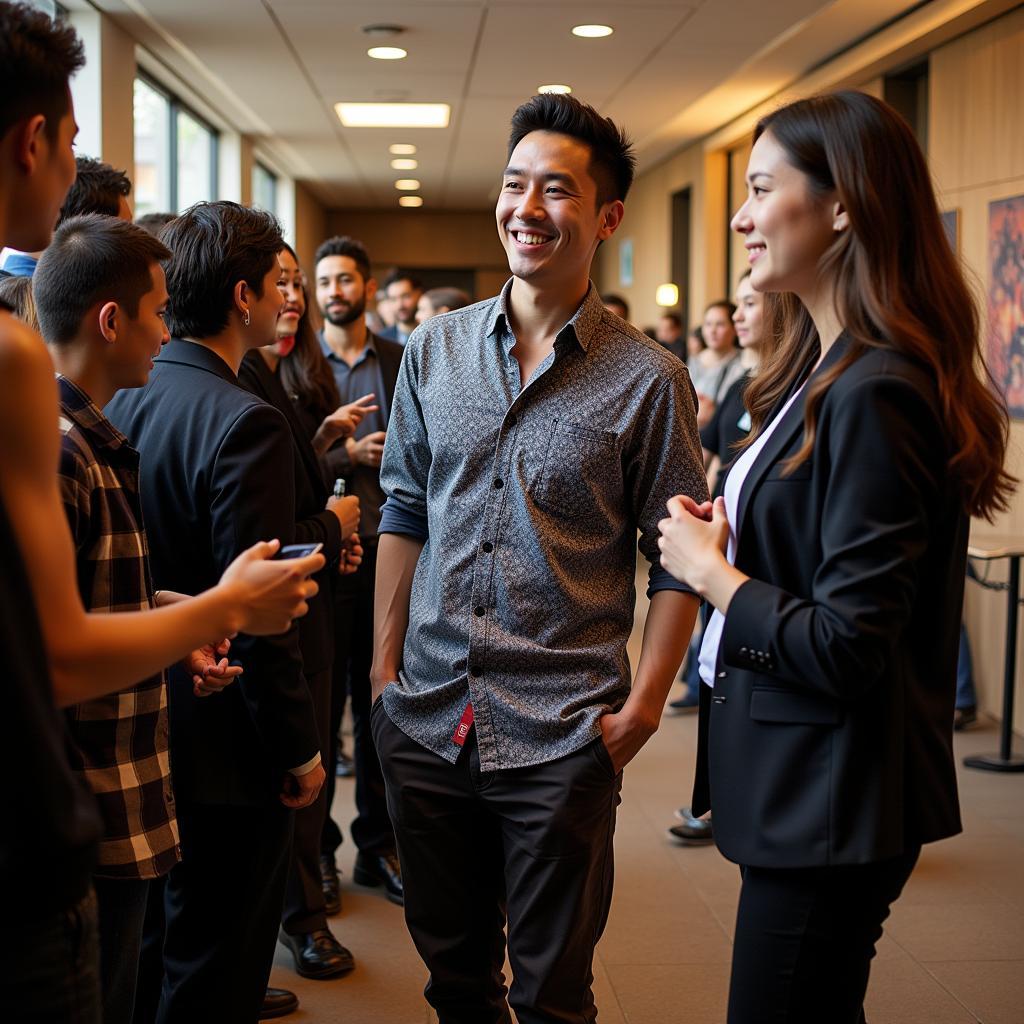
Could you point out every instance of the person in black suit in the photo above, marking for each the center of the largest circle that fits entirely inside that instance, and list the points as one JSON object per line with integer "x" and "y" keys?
{"x": 217, "y": 473}
{"x": 835, "y": 561}
{"x": 304, "y": 931}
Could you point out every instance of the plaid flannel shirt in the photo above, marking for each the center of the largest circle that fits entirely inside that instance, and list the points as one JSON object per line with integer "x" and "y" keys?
{"x": 118, "y": 742}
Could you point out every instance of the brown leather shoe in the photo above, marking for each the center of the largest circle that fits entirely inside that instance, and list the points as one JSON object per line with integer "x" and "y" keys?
{"x": 318, "y": 954}
{"x": 278, "y": 1002}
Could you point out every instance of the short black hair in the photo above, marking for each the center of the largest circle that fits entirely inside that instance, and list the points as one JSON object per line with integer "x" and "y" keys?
{"x": 343, "y": 245}
{"x": 213, "y": 247}
{"x": 402, "y": 275}
{"x": 38, "y": 56}
{"x": 674, "y": 318}
{"x": 97, "y": 188}
{"x": 725, "y": 304}
{"x": 611, "y": 299}
{"x": 92, "y": 258}
{"x": 612, "y": 161}
{"x": 154, "y": 223}
{"x": 450, "y": 298}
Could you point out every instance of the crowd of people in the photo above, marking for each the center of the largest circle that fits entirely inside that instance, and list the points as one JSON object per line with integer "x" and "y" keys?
{"x": 220, "y": 524}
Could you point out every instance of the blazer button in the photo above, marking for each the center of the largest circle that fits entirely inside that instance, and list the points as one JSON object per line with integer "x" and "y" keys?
{"x": 723, "y": 675}
{"x": 478, "y": 610}
{"x": 718, "y": 699}
{"x": 744, "y": 650}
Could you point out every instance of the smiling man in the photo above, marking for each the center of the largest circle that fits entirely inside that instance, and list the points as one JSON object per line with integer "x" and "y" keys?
{"x": 532, "y": 437}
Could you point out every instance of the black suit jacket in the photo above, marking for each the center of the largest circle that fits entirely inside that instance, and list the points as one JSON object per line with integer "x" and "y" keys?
{"x": 217, "y": 476}
{"x": 315, "y": 524}
{"x": 828, "y": 736}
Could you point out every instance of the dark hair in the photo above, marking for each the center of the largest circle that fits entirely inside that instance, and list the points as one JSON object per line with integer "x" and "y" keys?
{"x": 400, "y": 275}
{"x": 305, "y": 373}
{"x": 616, "y": 300}
{"x": 97, "y": 188}
{"x": 899, "y": 285}
{"x": 16, "y": 292}
{"x": 37, "y": 58}
{"x": 92, "y": 259}
{"x": 343, "y": 245}
{"x": 698, "y": 333}
{"x": 450, "y": 298}
{"x": 726, "y": 304}
{"x": 213, "y": 247}
{"x": 612, "y": 161}
{"x": 154, "y": 223}
{"x": 674, "y": 318}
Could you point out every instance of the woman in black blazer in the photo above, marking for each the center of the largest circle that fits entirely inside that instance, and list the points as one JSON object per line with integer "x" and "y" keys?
{"x": 835, "y": 562}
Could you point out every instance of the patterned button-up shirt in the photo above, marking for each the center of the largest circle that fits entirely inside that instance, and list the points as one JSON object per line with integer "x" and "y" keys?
{"x": 118, "y": 742}
{"x": 529, "y": 500}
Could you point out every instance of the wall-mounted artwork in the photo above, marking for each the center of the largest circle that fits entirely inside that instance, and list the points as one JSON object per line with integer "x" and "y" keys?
{"x": 951, "y": 225}
{"x": 1006, "y": 300}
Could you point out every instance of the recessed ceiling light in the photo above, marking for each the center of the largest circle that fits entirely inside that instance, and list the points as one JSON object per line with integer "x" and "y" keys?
{"x": 410, "y": 201}
{"x": 387, "y": 53}
{"x": 404, "y": 165}
{"x": 393, "y": 115}
{"x": 401, "y": 149}
{"x": 563, "y": 89}
{"x": 592, "y": 31}
{"x": 407, "y": 184}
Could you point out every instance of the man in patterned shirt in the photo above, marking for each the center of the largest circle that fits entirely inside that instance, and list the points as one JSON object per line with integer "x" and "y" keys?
{"x": 100, "y": 293}
{"x": 531, "y": 437}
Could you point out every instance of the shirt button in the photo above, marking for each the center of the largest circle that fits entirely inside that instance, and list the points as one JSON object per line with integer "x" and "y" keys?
{"x": 498, "y": 484}
{"x": 488, "y": 546}
{"x": 478, "y": 610}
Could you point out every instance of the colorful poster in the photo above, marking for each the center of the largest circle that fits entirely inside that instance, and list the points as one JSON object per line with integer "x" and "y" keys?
{"x": 1006, "y": 300}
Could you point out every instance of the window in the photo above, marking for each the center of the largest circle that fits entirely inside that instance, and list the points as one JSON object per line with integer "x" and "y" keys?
{"x": 175, "y": 153}
{"x": 264, "y": 188}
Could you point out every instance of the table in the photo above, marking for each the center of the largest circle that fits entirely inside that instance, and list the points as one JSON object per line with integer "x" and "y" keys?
{"x": 989, "y": 549}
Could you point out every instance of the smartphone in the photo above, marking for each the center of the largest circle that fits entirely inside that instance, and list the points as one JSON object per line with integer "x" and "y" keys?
{"x": 297, "y": 551}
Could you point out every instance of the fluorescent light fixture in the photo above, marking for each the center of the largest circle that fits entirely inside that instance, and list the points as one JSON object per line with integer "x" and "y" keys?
{"x": 410, "y": 201}
{"x": 404, "y": 165}
{"x": 401, "y": 149}
{"x": 667, "y": 295}
{"x": 393, "y": 115}
{"x": 592, "y": 31}
{"x": 387, "y": 53}
{"x": 407, "y": 184}
{"x": 554, "y": 88}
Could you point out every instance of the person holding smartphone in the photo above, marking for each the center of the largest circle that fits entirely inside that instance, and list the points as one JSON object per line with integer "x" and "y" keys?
{"x": 835, "y": 560}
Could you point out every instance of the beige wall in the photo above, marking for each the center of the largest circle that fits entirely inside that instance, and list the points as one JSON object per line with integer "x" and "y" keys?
{"x": 976, "y": 148}
{"x": 429, "y": 238}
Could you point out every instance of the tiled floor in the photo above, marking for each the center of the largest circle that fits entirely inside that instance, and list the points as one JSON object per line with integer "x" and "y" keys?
{"x": 953, "y": 952}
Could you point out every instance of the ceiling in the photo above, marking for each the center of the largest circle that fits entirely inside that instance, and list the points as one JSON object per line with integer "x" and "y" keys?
{"x": 275, "y": 68}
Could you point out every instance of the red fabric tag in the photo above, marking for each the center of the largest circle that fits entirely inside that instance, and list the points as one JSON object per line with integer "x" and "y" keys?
{"x": 462, "y": 729}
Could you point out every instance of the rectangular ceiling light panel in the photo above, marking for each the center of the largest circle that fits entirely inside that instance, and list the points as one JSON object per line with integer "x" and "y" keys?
{"x": 393, "y": 115}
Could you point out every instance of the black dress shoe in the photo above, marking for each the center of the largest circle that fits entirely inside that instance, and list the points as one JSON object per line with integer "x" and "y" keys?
{"x": 278, "y": 1002}
{"x": 375, "y": 869}
{"x": 318, "y": 954}
{"x": 693, "y": 831}
{"x": 331, "y": 884}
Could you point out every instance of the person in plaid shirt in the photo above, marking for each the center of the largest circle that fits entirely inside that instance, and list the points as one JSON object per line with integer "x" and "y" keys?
{"x": 101, "y": 295}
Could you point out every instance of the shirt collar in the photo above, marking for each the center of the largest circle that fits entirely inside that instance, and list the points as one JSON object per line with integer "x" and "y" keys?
{"x": 78, "y": 407}
{"x": 370, "y": 349}
{"x": 579, "y": 328}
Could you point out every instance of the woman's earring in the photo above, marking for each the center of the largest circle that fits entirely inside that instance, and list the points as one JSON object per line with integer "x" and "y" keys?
{"x": 246, "y": 320}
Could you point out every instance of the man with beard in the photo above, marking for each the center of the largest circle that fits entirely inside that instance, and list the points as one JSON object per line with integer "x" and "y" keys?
{"x": 362, "y": 364}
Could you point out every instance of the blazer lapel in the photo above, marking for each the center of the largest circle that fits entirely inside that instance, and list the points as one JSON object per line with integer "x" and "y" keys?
{"x": 782, "y": 437}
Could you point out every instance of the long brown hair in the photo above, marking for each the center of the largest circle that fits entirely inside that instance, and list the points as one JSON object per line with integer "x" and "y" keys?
{"x": 898, "y": 285}
{"x": 305, "y": 371}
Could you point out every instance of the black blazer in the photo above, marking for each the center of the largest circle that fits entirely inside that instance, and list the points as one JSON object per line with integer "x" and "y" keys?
{"x": 217, "y": 476}
{"x": 315, "y": 525}
{"x": 828, "y": 736}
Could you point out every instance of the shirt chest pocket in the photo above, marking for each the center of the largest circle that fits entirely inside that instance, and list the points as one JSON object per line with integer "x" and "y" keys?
{"x": 580, "y": 465}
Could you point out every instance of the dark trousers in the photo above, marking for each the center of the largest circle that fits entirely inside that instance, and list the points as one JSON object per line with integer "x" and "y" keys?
{"x": 353, "y": 602}
{"x": 223, "y": 907}
{"x": 150, "y": 978}
{"x": 49, "y": 967}
{"x": 122, "y": 911}
{"x": 805, "y": 938}
{"x": 530, "y": 845}
{"x": 304, "y": 909}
